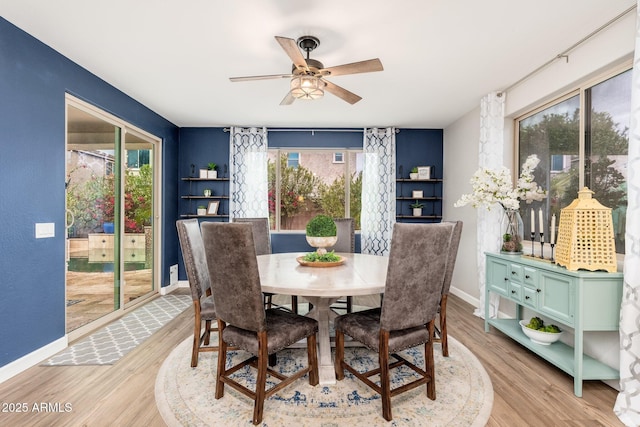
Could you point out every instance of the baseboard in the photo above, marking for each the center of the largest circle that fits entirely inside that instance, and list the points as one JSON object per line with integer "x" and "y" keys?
{"x": 464, "y": 296}
{"x": 27, "y": 361}
{"x": 168, "y": 289}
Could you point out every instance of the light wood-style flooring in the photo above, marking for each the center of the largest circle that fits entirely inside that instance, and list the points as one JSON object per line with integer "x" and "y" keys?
{"x": 528, "y": 391}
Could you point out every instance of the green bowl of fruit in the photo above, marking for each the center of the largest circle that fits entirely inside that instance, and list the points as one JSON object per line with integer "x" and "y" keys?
{"x": 540, "y": 333}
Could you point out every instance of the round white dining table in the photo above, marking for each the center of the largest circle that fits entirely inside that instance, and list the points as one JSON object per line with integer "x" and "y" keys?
{"x": 360, "y": 274}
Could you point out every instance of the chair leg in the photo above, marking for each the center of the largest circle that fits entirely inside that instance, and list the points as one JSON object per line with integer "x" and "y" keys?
{"x": 273, "y": 359}
{"x": 261, "y": 381}
{"x": 196, "y": 340}
{"x": 349, "y": 304}
{"x": 207, "y": 332}
{"x": 443, "y": 326}
{"x": 385, "y": 383}
{"x": 312, "y": 359}
{"x": 429, "y": 363}
{"x": 222, "y": 361}
{"x": 339, "y": 355}
{"x": 294, "y": 304}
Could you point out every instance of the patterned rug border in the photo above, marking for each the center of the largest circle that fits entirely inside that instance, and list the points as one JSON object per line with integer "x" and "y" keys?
{"x": 242, "y": 416}
{"x": 109, "y": 344}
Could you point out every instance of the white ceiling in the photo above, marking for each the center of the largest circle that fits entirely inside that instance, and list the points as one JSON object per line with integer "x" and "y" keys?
{"x": 439, "y": 56}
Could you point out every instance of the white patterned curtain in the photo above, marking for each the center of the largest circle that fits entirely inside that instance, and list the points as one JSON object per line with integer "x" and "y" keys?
{"x": 248, "y": 173}
{"x": 378, "y": 190}
{"x": 490, "y": 156}
{"x": 627, "y": 406}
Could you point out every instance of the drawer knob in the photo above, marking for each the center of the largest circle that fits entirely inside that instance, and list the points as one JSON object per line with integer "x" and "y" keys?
{"x": 527, "y": 277}
{"x": 513, "y": 292}
{"x": 513, "y": 272}
{"x": 506, "y": 278}
{"x": 538, "y": 290}
{"x": 527, "y": 297}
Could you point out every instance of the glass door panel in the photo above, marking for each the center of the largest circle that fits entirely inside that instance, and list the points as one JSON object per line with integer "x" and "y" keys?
{"x": 138, "y": 216}
{"x": 91, "y": 275}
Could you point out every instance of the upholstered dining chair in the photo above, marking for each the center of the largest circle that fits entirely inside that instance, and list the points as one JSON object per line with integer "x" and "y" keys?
{"x": 262, "y": 240}
{"x": 441, "y": 329}
{"x": 346, "y": 243}
{"x": 195, "y": 263}
{"x": 417, "y": 266}
{"x": 243, "y": 320}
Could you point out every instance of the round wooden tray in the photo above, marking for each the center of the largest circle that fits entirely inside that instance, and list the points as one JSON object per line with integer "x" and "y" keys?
{"x": 304, "y": 263}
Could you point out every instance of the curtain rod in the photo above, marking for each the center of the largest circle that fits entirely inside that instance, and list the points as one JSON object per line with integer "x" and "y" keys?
{"x": 565, "y": 53}
{"x": 312, "y": 130}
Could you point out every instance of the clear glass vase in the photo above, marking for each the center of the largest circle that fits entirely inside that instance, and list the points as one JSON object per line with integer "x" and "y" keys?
{"x": 512, "y": 229}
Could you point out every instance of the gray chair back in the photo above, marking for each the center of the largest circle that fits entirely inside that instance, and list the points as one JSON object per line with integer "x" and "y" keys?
{"x": 194, "y": 257}
{"x": 235, "y": 281}
{"x": 261, "y": 235}
{"x": 453, "y": 254}
{"x": 417, "y": 265}
{"x": 346, "y": 235}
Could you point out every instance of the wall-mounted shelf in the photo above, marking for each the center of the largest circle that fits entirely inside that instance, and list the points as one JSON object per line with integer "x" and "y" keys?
{"x": 431, "y": 199}
{"x": 195, "y": 192}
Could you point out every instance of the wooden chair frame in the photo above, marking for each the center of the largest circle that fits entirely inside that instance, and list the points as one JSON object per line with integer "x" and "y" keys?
{"x": 260, "y": 363}
{"x": 427, "y": 375}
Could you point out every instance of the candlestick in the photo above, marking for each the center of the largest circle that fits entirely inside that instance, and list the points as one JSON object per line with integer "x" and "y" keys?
{"x": 533, "y": 223}
{"x": 542, "y": 245}
{"x": 533, "y": 236}
{"x": 541, "y": 222}
{"x": 553, "y": 230}
{"x": 552, "y": 245}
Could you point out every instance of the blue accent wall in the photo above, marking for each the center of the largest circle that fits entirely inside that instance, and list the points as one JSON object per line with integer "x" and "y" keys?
{"x": 198, "y": 146}
{"x": 33, "y": 81}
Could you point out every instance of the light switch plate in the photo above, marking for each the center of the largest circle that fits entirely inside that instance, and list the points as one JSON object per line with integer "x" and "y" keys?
{"x": 45, "y": 230}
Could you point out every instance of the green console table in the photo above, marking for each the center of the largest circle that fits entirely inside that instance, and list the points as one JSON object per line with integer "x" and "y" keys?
{"x": 581, "y": 300}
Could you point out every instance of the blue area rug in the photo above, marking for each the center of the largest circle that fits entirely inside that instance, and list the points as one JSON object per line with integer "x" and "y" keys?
{"x": 109, "y": 344}
{"x": 185, "y": 395}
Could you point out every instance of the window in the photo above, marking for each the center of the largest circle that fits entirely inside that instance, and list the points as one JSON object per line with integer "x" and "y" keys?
{"x": 293, "y": 160}
{"x": 314, "y": 184}
{"x": 338, "y": 157}
{"x": 571, "y": 158}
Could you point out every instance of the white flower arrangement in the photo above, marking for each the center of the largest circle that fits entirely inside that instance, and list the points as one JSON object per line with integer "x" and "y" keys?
{"x": 494, "y": 186}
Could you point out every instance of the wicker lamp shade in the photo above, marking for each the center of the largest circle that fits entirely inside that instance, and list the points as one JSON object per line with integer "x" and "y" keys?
{"x": 585, "y": 235}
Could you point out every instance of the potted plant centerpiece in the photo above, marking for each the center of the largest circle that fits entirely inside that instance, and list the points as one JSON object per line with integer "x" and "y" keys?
{"x": 202, "y": 210}
{"x": 212, "y": 173}
{"x": 321, "y": 233}
{"x": 417, "y": 208}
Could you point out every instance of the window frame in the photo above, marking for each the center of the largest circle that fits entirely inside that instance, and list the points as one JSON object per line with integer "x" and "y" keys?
{"x": 580, "y": 89}
{"x": 346, "y": 164}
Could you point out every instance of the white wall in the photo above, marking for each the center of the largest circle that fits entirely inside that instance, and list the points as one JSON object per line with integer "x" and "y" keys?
{"x": 612, "y": 46}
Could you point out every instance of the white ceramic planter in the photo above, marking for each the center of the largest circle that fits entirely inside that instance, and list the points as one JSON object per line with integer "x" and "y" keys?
{"x": 417, "y": 211}
{"x": 322, "y": 243}
{"x": 202, "y": 211}
{"x": 413, "y": 175}
{"x": 212, "y": 174}
{"x": 203, "y": 173}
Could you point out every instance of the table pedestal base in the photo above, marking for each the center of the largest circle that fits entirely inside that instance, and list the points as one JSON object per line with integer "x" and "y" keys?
{"x": 323, "y": 314}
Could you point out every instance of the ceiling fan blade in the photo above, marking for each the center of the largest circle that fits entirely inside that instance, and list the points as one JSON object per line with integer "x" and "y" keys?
{"x": 266, "y": 77}
{"x": 355, "y": 68}
{"x": 291, "y": 48}
{"x": 341, "y": 93}
{"x": 288, "y": 99}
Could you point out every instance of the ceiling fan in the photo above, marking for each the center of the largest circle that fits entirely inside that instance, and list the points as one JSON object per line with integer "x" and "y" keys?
{"x": 308, "y": 75}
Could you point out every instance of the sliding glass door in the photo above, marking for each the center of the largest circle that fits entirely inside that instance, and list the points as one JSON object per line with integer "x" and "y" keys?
{"x": 110, "y": 216}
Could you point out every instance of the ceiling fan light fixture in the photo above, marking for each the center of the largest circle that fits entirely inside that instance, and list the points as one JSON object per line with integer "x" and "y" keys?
{"x": 307, "y": 87}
